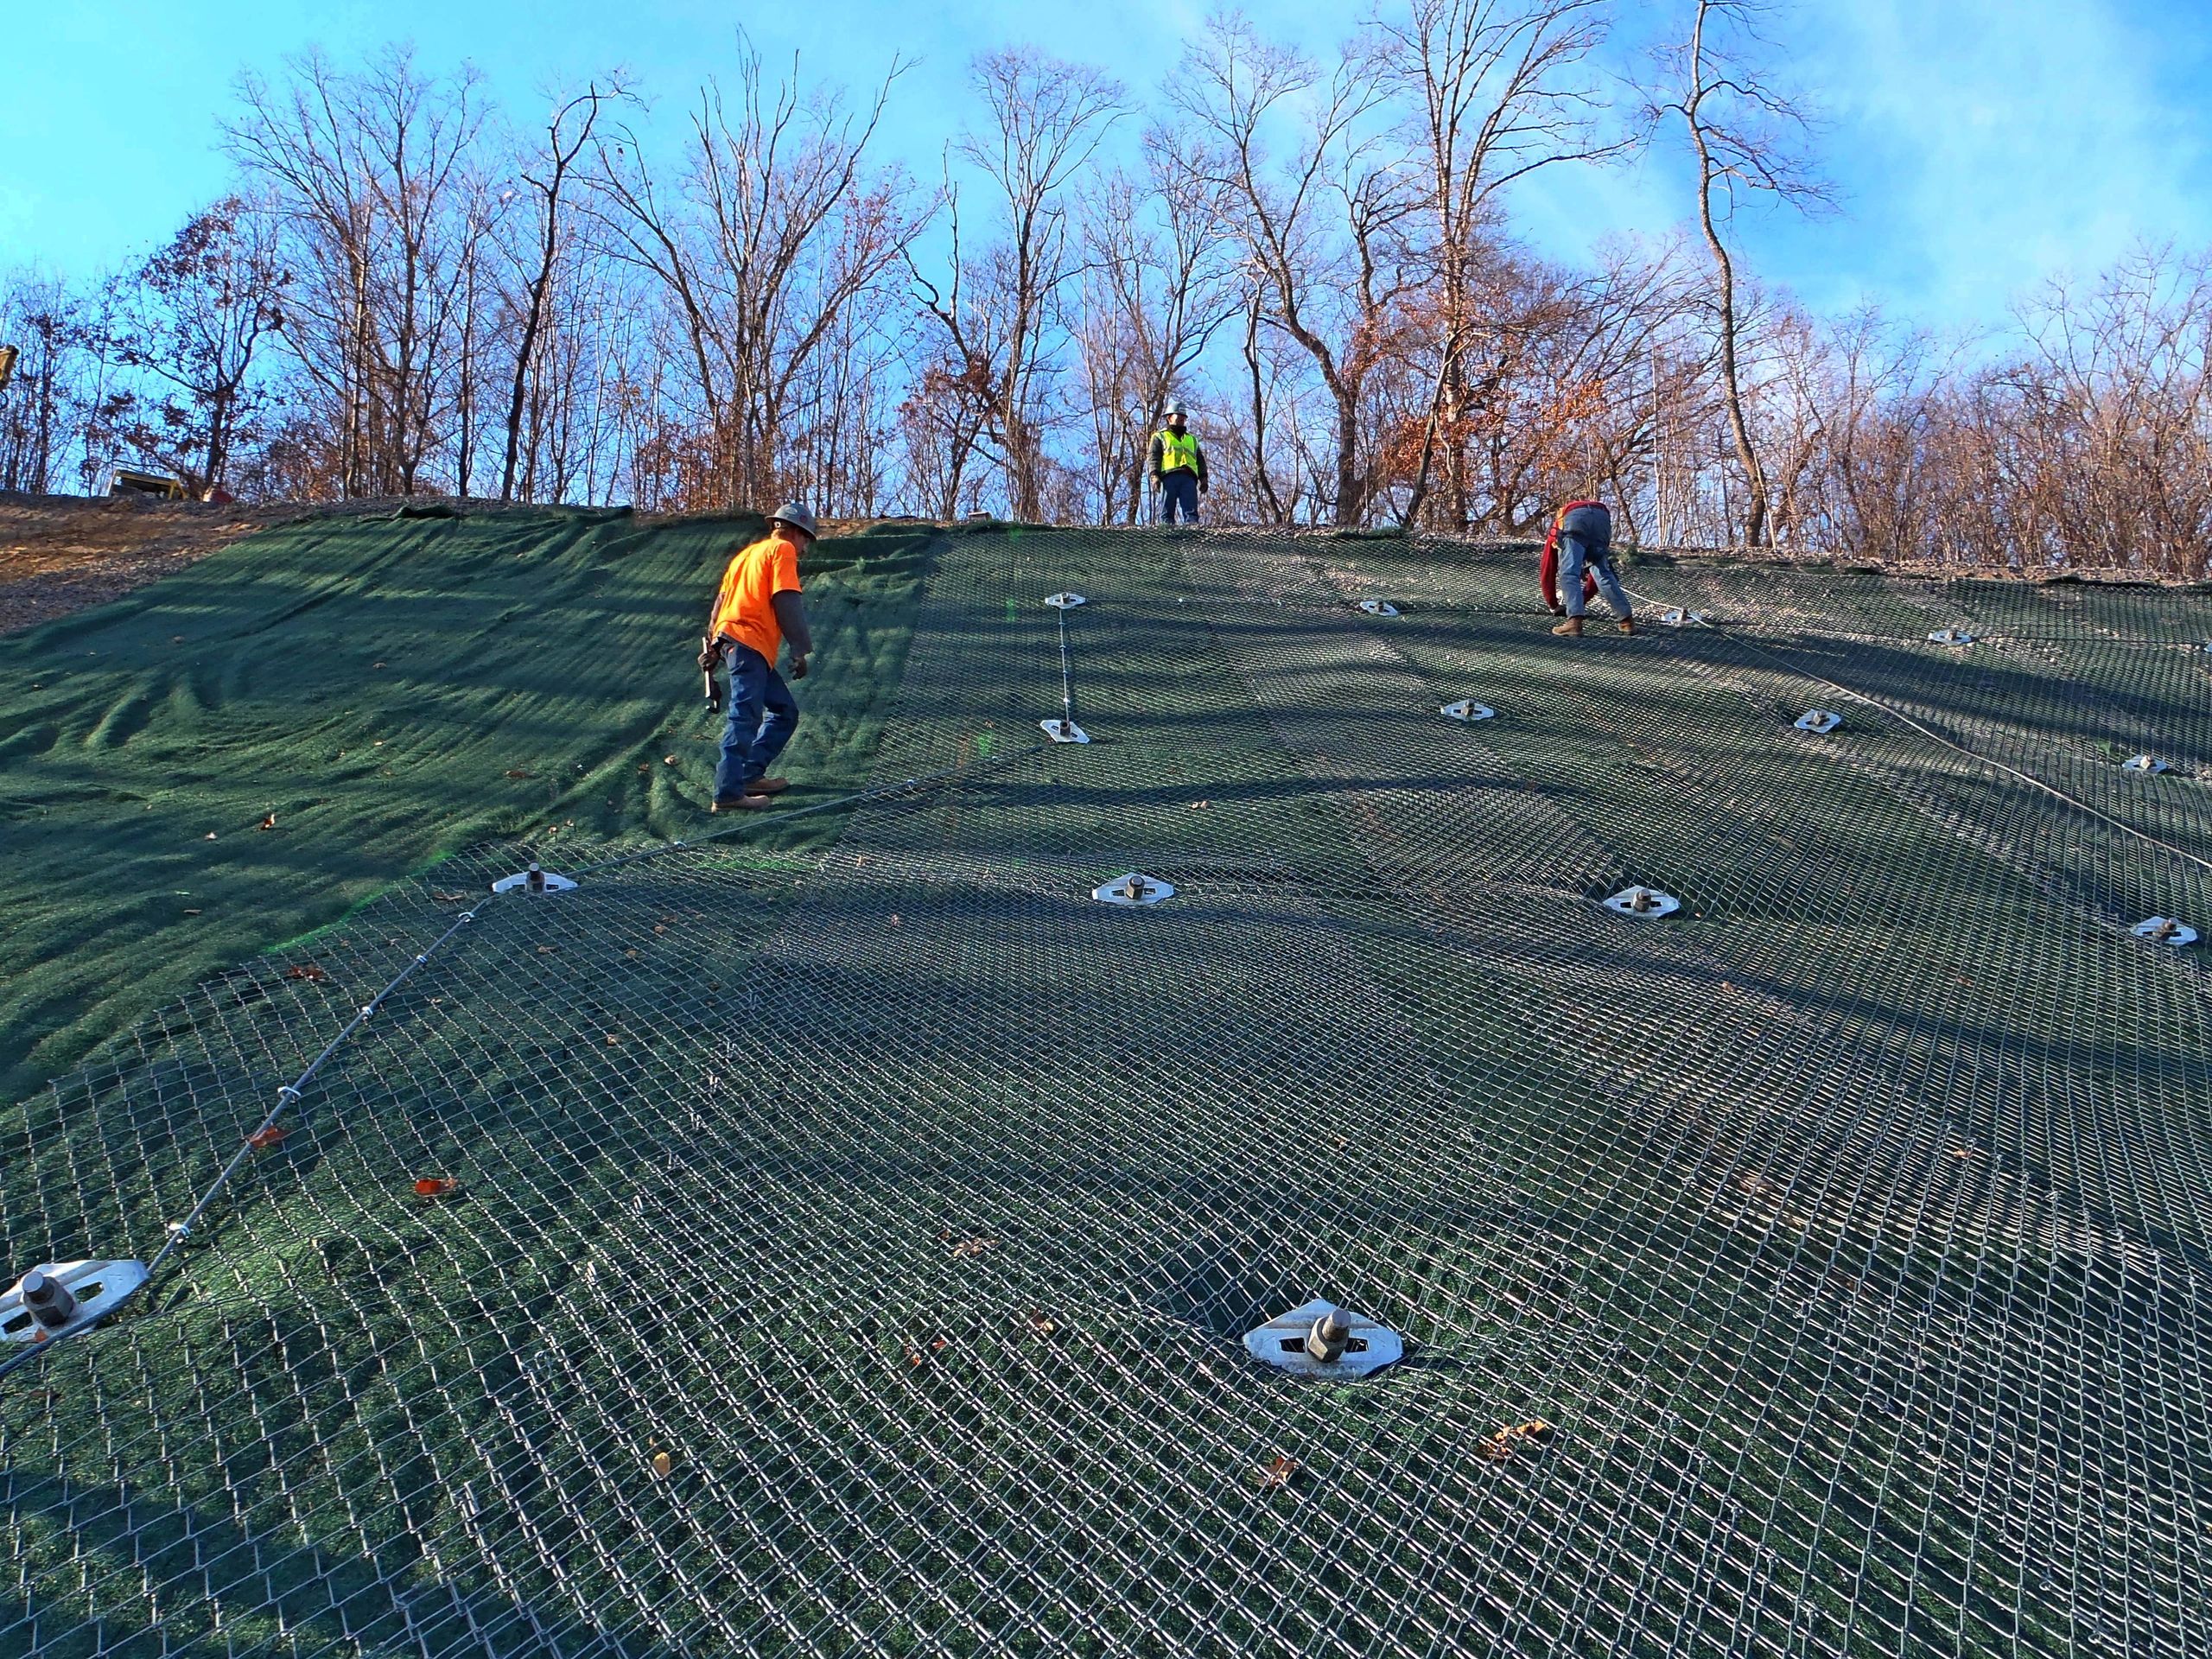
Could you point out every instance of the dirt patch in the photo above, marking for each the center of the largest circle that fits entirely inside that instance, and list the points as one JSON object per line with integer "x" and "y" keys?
{"x": 62, "y": 553}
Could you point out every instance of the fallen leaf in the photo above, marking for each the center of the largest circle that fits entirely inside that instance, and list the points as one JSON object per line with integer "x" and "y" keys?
{"x": 973, "y": 1246}
{"x": 432, "y": 1186}
{"x": 1042, "y": 1323}
{"x": 1501, "y": 1447}
{"x": 306, "y": 970}
{"x": 448, "y": 898}
{"x": 547, "y": 950}
{"x": 268, "y": 823}
{"x": 262, "y": 1140}
{"x": 517, "y": 772}
{"x": 667, "y": 759}
{"x": 663, "y": 1466}
{"x": 919, "y": 1357}
{"x": 1278, "y": 1471}
{"x": 613, "y": 1041}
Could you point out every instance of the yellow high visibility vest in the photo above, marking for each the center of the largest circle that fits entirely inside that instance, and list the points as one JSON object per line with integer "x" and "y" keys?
{"x": 1179, "y": 451}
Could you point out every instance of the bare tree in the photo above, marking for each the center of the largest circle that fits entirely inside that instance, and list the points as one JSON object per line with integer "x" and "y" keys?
{"x": 193, "y": 318}
{"x": 1497, "y": 89}
{"x": 568, "y": 131}
{"x": 997, "y": 312}
{"x": 777, "y": 230}
{"x": 48, "y": 400}
{"x": 1746, "y": 136}
{"x": 373, "y": 179}
{"x": 1323, "y": 238}
{"x": 1159, "y": 282}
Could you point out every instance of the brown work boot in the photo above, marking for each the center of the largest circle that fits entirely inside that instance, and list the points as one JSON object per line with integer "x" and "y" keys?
{"x": 739, "y": 803}
{"x": 767, "y": 786}
{"x": 1628, "y": 625}
{"x": 1572, "y": 627}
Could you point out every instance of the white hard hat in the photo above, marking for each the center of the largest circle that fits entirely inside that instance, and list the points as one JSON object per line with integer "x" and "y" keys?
{"x": 1175, "y": 407}
{"x": 795, "y": 514}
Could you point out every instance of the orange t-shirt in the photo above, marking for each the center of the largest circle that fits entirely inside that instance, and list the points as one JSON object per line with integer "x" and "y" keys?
{"x": 743, "y": 610}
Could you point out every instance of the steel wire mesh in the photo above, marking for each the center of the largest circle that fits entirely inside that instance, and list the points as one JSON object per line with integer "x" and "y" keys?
{"x": 849, "y": 1248}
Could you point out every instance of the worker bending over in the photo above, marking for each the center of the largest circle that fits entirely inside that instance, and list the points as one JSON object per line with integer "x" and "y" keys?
{"x": 1176, "y": 468}
{"x": 757, "y": 608}
{"x": 1580, "y": 551}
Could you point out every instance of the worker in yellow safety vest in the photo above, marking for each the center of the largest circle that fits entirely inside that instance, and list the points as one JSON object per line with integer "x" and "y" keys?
{"x": 1176, "y": 468}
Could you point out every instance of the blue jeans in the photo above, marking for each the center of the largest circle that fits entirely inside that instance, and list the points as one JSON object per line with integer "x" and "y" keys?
{"x": 1576, "y": 554}
{"x": 1178, "y": 489}
{"x": 762, "y": 716}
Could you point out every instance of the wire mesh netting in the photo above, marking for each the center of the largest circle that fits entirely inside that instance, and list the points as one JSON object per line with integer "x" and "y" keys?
{"x": 850, "y": 1250}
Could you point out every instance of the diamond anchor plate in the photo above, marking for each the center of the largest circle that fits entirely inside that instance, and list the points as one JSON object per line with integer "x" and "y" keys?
{"x": 533, "y": 880}
{"x": 1064, "y": 731}
{"x": 1324, "y": 1341}
{"x": 1378, "y": 607}
{"x": 1133, "y": 889}
{"x": 59, "y": 1297}
{"x": 1467, "y": 709}
{"x": 1644, "y": 901}
{"x": 1819, "y": 720}
{"x": 1066, "y": 601}
{"x": 2163, "y": 930}
{"x": 1679, "y": 618}
{"x": 1950, "y": 637}
{"x": 2144, "y": 763}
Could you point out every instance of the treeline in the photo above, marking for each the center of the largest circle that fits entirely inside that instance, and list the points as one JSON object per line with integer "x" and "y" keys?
{"x": 744, "y": 298}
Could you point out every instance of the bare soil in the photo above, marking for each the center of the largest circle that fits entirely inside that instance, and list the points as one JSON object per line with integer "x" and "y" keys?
{"x": 62, "y": 553}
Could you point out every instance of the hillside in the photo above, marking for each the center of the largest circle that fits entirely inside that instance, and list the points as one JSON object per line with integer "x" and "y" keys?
{"x": 387, "y": 689}
{"x": 861, "y": 1246}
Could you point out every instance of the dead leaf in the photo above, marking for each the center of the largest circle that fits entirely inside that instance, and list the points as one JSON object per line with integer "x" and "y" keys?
{"x": 306, "y": 970}
{"x": 667, "y": 759}
{"x": 262, "y": 1140}
{"x": 517, "y": 772}
{"x": 973, "y": 1246}
{"x": 434, "y": 1186}
{"x": 268, "y": 823}
{"x": 613, "y": 1041}
{"x": 663, "y": 1465}
{"x": 922, "y": 1355}
{"x": 1501, "y": 1447}
{"x": 1042, "y": 1323}
{"x": 1278, "y": 1471}
{"x": 448, "y": 898}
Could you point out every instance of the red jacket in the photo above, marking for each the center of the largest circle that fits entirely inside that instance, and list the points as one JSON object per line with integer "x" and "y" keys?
{"x": 1547, "y": 573}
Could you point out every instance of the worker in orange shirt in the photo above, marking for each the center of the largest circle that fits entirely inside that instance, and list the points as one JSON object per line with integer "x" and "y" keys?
{"x": 757, "y": 608}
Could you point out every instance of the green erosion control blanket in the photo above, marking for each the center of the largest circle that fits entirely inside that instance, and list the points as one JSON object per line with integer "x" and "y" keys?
{"x": 847, "y": 1247}
{"x": 387, "y": 690}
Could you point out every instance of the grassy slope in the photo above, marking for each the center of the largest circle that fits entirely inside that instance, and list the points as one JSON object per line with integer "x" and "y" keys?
{"x": 375, "y": 685}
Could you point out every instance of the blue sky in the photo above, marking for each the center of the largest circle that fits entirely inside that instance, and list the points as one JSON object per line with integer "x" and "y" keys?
{"x": 1981, "y": 145}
